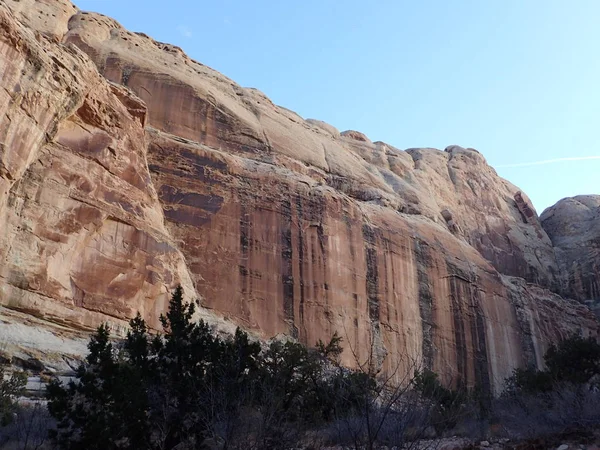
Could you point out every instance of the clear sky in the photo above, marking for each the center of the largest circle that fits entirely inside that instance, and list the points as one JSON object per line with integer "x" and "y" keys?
{"x": 517, "y": 80}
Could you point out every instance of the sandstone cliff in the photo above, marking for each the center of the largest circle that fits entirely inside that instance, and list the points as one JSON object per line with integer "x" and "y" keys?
{"x": 126, "y": 168}
{"x": 573, "y": 225}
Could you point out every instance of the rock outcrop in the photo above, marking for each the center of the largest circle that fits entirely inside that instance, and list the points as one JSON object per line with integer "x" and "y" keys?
{"x": 573, "y": 225}
{"x": 127, "y": 168}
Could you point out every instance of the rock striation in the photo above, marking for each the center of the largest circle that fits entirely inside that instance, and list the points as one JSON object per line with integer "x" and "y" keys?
{"x": 573, "y": 225}
{"x": 127, "y": 168}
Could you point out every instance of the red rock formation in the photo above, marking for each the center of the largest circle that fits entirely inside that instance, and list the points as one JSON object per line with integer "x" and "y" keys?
{"x": 127, "y": 168}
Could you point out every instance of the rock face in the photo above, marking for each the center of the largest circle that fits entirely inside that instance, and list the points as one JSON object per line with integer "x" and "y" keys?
{"x": 126, "y": 168}
{"x": 573, "y": 225}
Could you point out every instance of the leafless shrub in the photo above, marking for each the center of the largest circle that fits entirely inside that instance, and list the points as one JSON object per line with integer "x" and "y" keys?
{"x": 29, "y": 429}
{"x": 388, "y": 410}
{"x": 237, "y": 422}
{"x": 569, "y": 406}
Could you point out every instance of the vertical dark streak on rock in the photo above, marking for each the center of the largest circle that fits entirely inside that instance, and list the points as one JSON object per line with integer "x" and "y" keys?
{"x": 525, "y": 327}
{"x": 287, "y": 274}
{"x": 349, "y": 228}
{"x": 300, "y": 215}
{"x": 319, "y": 212}
{"x": 386, "y": 289}
{"x": 244, "y": 253}
{"x": 479, "y": 339}
{"x": 348, "y": 223}
{"x": 459, "y": 331}
{"x": 466, "y": 294}
{"x": 423, "y": 262}
{"x": 372, "y": 274}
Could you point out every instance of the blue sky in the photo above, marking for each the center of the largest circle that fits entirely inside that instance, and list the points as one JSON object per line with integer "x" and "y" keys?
{"x": 516, "y": 79}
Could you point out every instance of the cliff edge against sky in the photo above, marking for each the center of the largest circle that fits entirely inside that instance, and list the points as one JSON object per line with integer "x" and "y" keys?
{"x": 127, "y": 168}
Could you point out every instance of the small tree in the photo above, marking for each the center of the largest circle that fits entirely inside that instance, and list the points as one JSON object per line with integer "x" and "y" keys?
{"x": 537, "y": 402}
{"x": 528, "y": 381}
{"x": 167, "y": 391}
{"x": 187, "y": 388}
{"x": 447, "y": 404}
{"x": 377, "y": 408}
{"x": 10, "y": 389}
{"x": 105, "y": 407}
{"x": 574, "y": 360}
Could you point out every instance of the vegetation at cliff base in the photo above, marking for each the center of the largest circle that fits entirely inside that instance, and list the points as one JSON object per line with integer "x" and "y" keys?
{"x": 10, "y": 388}
{"x": 187, "y": 387}
{"x": 564, "y": 396}
{"x": 576, "y": 360}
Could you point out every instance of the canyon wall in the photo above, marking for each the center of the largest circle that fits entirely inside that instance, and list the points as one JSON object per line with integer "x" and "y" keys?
{"x": 127, "y": 168}
{"x": 573, "y": 225}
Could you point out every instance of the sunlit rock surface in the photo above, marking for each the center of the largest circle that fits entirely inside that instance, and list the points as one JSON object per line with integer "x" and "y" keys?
{"x": 127, "y": 168}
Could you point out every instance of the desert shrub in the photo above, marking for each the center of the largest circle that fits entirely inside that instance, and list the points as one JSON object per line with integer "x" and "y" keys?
{"x": 448, "y": 405}
{"x": 377, "y": 409}
{"x": 105, "y": 407}
{"x": 528, "y": 381}
{"x": 186, "y": 387}
{"x": 10, "y": 389}
{"x": 563, "y": 396}
{"x": 189, "y": 388}
{"x": 565, "y": 407}
{"x": 573, "y": 360}
{"x": 29, "y": 428}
